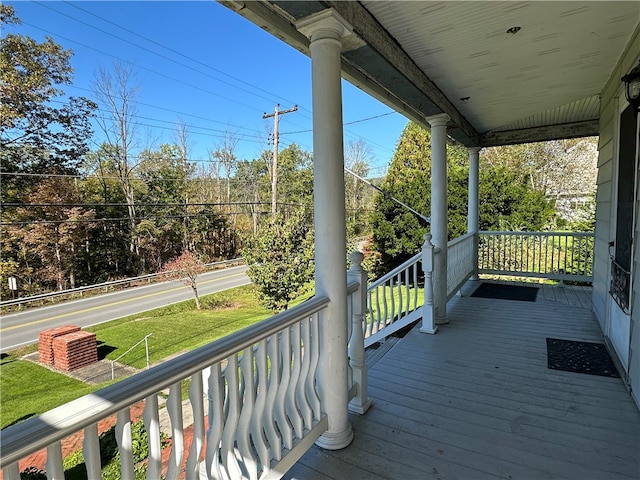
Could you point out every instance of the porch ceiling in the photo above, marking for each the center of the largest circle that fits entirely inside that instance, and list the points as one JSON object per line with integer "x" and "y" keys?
{"x": 458, "y": 57}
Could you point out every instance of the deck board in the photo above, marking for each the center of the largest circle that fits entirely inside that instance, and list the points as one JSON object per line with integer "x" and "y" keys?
{"x": 477, "y": 401}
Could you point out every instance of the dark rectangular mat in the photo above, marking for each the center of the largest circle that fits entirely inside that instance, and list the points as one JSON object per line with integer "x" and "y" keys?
{"x": 506, "y": 292}
{"x": 580, "y": 357}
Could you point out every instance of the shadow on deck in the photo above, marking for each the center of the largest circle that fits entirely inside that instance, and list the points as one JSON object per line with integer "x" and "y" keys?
{"x": 477, "y": 401}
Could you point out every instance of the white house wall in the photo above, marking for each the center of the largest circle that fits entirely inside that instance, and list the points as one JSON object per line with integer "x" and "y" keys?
{"x": 605, "y": 199}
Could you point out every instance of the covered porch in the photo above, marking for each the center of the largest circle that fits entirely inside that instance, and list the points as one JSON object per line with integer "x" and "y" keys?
{"x": 478, "y": 401}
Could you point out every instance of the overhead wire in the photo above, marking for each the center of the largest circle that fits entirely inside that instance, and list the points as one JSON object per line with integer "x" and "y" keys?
{"x": 185, "y": 83}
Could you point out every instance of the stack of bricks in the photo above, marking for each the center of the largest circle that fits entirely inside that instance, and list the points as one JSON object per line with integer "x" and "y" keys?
{"x": 74, "y": 350}
{"x": 45, "y": 345}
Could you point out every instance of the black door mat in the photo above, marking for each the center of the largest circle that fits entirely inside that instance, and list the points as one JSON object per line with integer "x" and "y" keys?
{"x": 506, "y": 292}
{"x": 580, "y": 357}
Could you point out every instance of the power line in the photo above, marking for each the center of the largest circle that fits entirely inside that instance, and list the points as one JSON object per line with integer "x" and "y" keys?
{"x": 235, "y": 79}
{"x": 144, "y": 68}
{"x": 151, "y": 51}
{"x": 182, "y": 204}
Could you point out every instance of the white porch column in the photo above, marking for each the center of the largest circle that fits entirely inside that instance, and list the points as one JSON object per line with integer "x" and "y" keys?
{"x": 474, "y": 195}
{"x": 439, "y": 213}
{"x": 325, "y": 30}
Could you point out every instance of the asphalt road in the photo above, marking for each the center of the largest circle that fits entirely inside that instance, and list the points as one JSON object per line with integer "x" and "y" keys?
{"x": 19, "y": 329}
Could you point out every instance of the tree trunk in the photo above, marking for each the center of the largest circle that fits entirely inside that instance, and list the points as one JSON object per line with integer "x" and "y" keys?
{"x": 195, "y": 295}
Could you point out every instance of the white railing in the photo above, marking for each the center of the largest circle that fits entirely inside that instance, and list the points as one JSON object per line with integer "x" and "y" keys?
{"x": 460, "y": 262}
{"x": 264, "y": 403}
{"x": 553, "y": 255}
{"x": 393, "y": 301}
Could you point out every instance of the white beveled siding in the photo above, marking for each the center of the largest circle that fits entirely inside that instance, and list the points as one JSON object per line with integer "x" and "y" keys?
{"x": 609, "y": 109}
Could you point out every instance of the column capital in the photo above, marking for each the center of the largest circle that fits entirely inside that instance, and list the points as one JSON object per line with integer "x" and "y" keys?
{"x": 474, "y": 149}
{"x": 325, "y": 24}
{"x": 439, "y": 120}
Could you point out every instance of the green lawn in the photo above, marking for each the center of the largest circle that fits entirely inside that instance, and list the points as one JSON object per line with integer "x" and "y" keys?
{"x": 178, "y": 328}
{"x": 28, "y": 389}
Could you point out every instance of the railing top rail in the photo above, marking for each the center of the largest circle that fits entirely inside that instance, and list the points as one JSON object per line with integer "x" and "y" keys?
{"x": 413, "y": 260}
{"x": 460, "y": 239}
{"x": 541, "y": 234}
{"x": 36, "y": 433}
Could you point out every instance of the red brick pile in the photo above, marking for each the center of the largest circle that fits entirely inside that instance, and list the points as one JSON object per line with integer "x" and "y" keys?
{"x": 45, "y": 345}
{"x": 67, "y": 348}
{"x": 74, "y": 350}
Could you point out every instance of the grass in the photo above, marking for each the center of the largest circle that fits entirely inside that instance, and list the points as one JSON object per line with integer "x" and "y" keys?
{"x": 29, "y": 389}
{"x": 178, "y": 328}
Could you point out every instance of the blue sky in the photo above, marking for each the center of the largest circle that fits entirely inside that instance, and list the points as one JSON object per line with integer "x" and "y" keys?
{"x": 206, "y": 66}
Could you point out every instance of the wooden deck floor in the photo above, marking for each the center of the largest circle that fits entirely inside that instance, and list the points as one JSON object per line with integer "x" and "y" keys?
{"x": 477, "y": 401}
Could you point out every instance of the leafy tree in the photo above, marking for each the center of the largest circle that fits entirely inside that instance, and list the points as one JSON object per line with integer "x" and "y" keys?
{"x": 39, "y": 131}
{"x": 508, "y": 200}
{"x": 295, "y": 178}
{"x": 280, "y": 260}
{"x": 187, "y": 267}
{"x": 398, "y": 233}
{"x": 165, "y": 174}
{"x": 55, "y": 232}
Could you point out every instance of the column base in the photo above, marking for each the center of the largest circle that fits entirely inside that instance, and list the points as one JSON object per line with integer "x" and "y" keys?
{"x": 428, "y": 329}
{"x": 336, "y": 441}
{"x": 360, "y": 409}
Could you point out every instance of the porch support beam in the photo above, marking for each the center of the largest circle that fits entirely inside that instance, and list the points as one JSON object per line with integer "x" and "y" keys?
{"x": 587, "y": 128}
{"x": 439, "y": 213}
{"x": 473, "y": 218}
{"x": 325, "y": 31}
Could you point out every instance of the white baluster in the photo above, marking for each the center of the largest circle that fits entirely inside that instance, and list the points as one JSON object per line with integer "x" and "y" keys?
{"x": 151, "y": 420}
{"x": 228, "y": 456}
{"x": 197, "y": 406}
{"x": 292, "y": 409}
{"x": 369, "y": 324}
{"x": 310, "y": 385}
{"x": 415, "y": 285}
{"x": 244, "y": 422}
{"x": 11, "y": 471}
{"x": 301, "y": 394}
{"x": 91, "y": 451}
{"x": 257, "y": 433}
{"x": 125, "y": 445}
{"x": 281, "y": 416}
{"x": 174, "y": 408}
{"x": 270, "y": 429}
{"x": 54, "y": 464}
{"x": 379, "y": 312}
{"x": 216, "y": 423}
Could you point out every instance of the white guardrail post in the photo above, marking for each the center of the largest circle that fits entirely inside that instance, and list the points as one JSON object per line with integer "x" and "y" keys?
{"x": 361, "y": 402}
{"x": 428, "y": 313}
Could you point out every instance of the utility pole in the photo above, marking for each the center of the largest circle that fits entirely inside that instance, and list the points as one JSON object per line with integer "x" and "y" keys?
{"x": 274, "y": 168}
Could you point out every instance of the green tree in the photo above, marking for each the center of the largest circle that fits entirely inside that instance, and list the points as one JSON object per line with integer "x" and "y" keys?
{"x": 398, "y": 233}
{"x": 508, "y": 199}
{"x": 165, "y": 174}
{"x": 40, "y": 132}
{"x": 55, "y": 230}
{"x": 280, "y": 260}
